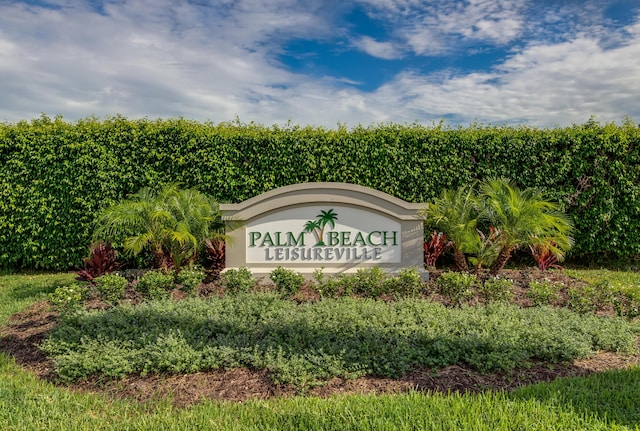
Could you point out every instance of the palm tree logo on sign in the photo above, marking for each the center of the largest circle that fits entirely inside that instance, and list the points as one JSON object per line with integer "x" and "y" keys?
{"x": 318, "y": 225}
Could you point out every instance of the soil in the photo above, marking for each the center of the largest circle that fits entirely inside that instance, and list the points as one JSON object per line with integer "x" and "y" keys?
{"x": 24, "y": 331}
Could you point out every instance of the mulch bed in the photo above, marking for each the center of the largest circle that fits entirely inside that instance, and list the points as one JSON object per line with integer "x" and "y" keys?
{"x": 24, "y": 331}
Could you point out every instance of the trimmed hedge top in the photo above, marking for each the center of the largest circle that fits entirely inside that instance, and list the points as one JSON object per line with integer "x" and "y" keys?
{"x": 55, "y": 175}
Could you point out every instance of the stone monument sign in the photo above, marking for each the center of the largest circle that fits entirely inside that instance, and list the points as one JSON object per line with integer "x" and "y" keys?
{"x": 335, "y": 226}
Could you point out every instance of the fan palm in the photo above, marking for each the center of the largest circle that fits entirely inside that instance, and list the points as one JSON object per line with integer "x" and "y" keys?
{"x": 455, "y": 213}
{"x": 523, "y": 217}
{"x": 173, "y": 223}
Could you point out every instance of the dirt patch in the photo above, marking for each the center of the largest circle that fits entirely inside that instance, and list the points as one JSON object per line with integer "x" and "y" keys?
{"x": 24, "y": 331}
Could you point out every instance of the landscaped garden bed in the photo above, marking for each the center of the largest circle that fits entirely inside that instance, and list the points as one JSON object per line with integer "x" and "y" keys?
{"x": 222, "y": 343}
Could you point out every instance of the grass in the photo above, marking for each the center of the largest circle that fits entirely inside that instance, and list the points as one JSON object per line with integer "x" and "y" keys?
{"x": 18, "y": 291}
{"x": 617, "y": 279}
{"x": 605, "y": 401}
{"x": 613, "y": 395}
{"x": 27, "y": 403}
{"x": 622, "y": 287}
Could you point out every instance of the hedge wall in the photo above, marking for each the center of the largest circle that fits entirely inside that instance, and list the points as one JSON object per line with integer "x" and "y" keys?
{"x": 55, "y": 175}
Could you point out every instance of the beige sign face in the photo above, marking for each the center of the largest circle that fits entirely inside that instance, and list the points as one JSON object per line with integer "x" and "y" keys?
{"x": 321, "y": 235}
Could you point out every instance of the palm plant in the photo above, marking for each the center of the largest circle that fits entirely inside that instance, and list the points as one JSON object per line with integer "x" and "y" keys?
{"x": 455, "y": 213}
{"x": 488, "y": 250}
{"x": 314, "y": 227}
{"x": 317, "y": 226}
{"x": 523, "y": 217}
{"x": 326, "y": 218}
{"x": 173, "y": 223}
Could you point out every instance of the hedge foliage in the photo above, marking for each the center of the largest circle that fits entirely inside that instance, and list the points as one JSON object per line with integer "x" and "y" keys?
{"x": 55, "y": 175}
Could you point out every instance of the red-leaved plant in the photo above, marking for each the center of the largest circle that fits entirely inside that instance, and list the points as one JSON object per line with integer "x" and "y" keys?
{"x": 544, "y": 256}
{"x": 102, "y": 260}
{"x": 215, "y": 255}
{"x": 434, "y": 248}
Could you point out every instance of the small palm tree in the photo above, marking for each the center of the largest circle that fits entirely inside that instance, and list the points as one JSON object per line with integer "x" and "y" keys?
{"x": 314, "y": 227}
{"x": 326, "y": 218}
{"x": 173, "y": 223}
{"x": 523, "y": 217}
{"x": 455, "y": 213}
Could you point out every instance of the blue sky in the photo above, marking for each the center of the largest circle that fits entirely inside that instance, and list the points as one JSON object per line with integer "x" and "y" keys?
{"x": 542, "y": 63}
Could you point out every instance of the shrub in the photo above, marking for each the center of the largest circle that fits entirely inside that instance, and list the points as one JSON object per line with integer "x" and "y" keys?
{"x": 603, "y": 293}
{"x": 67, "y": 300}
{"x": 543, "y": 292}
{"x": 580, "y": 300}
{"x": 111, "y": 287}
{"x": 488, "y": 250}
{"x": 367, "y": 282}
{"x": 325, "y": 285}
{"x": 155, "y": 284}
{"x": 216, "y": 256}
{"x": 457, "y": 286}
{"x": 407, "y": 283}
{"x": 455, "y": 213}
{"x": 287, "y": 281}
{"x": 523, "y": 218}
{"x": 497, "y": 289}
{"x": 310, "y": 343}
{"x": 238, "y": 280}
{"x": 132, "y": 274}
{"x": 515, "y": 218}
{"x": 189, "y": 278}
{"x": 590, "y": 167}
{"x": 544, "y": 256}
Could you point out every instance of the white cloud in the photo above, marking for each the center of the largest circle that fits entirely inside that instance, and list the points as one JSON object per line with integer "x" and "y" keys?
{"x": 433, "y": 27}
{"x": 384, "y": 50}
{"x": 494, "y": 20}
{"x": 141, "y": 58}
{"x": 424, "y": 40}
{"x": 543, "y": 85}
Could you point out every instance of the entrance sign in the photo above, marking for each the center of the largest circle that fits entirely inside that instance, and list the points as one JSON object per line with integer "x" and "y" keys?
{"x": 340, "y": 234}
{"x": 335, "y": 226}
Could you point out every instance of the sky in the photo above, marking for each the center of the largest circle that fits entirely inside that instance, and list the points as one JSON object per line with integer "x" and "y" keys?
{"x": 330, "y": 63}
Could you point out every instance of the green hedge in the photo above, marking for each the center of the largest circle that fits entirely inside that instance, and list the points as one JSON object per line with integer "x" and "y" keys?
{"x": 55, "y": 175}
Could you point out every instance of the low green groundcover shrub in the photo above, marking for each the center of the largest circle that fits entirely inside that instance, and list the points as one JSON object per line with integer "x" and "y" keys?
{"x": 304, "y": 344}
{"x": 237, "y": 280}
{"x": 286, "y": 280}
{"x": 111, "y": 287}
{"x": 457, "y": 286}
{"x": 68, "y": 299}
{"x": 155, "y": 284}
{"x": 497, "y": 289}
{"x": 190, "y": 278}
{"x": 543, "y": 292}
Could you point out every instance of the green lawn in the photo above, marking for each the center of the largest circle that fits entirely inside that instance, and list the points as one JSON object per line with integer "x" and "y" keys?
{"x": 18, "y": 291}
{"x": 617, "y": 279}
{"x": 602, "y": 401}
